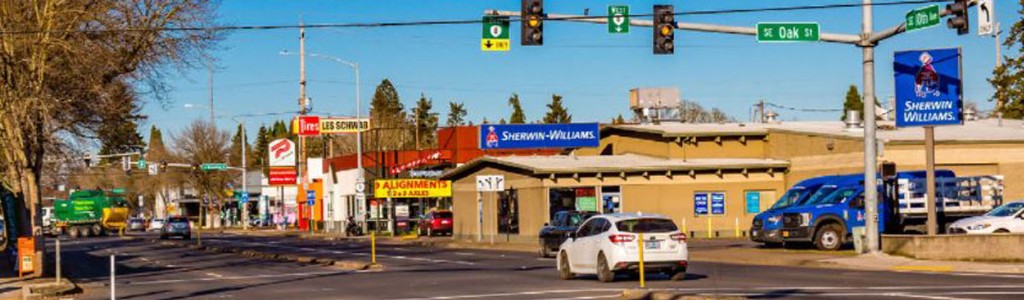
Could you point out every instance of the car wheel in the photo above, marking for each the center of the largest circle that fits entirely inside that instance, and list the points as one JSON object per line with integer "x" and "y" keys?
{"x": 544, "y": 251}
{"x": 73, "y": 232}
{"x": 83, "y": 231}
{"x": 1000, "y": 230}
{"x": 829, "y": 237}
{"x": 564, "y": 273}
{"x": 604, "y": 273}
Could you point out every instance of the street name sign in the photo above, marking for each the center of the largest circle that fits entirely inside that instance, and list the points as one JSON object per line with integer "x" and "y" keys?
{"x": 776, "y": 32}
{"x": 928, "y": 87}
{"x": 921, "y": 18}
{"x": 618, "y": 19}
{"x": 213, "y": 167}
{"x": 495, "y": 34}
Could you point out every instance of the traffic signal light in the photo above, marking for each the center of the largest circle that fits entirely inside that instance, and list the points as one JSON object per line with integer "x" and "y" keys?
{"x": 126, "y": 165}
{"x": 88, "y": 162}
{"x": 664, "y": 29}
{"x": 532, "y": 23}
{"x": 195, "y": 168}
{"x": 163, "y": 166}
{"x": 958, "y": 17}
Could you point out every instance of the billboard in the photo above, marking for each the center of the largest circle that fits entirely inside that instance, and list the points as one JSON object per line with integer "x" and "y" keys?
{"x": 412, "y": 188}
{"x": 928, "y": 87}
{"x": 535, "y": 136}
{"x": 282, "y": 153}
{"x": 282, "y": 176}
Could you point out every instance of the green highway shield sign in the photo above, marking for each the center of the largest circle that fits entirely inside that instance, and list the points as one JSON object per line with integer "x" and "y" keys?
{"x": 618, "y": 19}
{"x": 922, "y": 18}
{"x": 771, "y": 32}
{"x": 213, "y": 167}
{"x": 495, "y": 34}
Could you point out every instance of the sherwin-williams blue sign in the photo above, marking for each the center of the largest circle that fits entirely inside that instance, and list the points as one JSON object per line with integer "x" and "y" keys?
{"x": 717, "y": 203}
{"x": 700, "y": 204}
{"x": 520, "y": 136}
{"x": 928, "y": 87}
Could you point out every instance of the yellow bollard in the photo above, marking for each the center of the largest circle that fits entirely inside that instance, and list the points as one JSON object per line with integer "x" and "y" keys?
{"x": 373, "y": 248}
{"x": 737, "y": 227}
{"x": 684, "y": 227}
{"x": 709, "y": 228}
{"x": 640, "y": 242}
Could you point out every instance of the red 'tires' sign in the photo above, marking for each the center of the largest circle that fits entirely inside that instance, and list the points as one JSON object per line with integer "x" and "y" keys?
{"x": 282, "y": 176}
{"x": 309, "y": 125}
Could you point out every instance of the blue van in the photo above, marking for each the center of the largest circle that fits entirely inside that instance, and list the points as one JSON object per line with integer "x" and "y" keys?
{"x": 766, "y": 225}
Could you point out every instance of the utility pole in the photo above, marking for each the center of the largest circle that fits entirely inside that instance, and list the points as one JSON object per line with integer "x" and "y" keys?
{"x": 870, "y": 157}
{"x": 245, "y": 178}
{"x": 302, "y": 111}
{"x": 209, "y": 68}
{"x": 999, "y": 62}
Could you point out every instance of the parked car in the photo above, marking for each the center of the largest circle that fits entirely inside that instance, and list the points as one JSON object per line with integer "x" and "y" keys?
{"x": 436, "y": 222}
{"x": 606, "y": 245}
{"x": 177, "y": 226}
{"x": 1004, "y": 219}
{"x": 136, "y": 224}
{"x": 552, "y": 235}
{"x": 156, "y": 224}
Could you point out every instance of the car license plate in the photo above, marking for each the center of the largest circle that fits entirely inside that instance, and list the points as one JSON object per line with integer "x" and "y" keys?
{"x": 652, "y": 245}
{"x": 753, "y": 232}
{"x": 785, "y": 234}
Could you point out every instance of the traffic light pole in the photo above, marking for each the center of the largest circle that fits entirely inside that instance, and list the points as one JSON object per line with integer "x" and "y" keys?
{"x": 867, "y": 40}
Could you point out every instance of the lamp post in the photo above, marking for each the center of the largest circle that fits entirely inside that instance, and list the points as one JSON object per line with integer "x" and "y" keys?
{"x": 245, "y": 166}
{"x": 359, "y": 136}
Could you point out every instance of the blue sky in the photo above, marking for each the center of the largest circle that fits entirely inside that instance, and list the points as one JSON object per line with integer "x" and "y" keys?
{"x": 590, "y": 68}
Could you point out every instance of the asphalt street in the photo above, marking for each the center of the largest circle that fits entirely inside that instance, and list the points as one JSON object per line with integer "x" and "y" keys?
{"x": 147, "y": 270}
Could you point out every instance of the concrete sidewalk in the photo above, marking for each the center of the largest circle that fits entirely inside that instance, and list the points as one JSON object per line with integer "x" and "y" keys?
{"x": 899, "y": 263}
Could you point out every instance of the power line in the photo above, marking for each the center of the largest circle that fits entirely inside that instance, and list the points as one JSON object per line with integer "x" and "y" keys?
{"x": 462, "y": 22}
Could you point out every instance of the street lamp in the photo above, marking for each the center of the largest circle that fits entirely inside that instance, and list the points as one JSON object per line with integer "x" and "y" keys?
{"x": 359, "y": 136}
{"x": 245, "y": 166}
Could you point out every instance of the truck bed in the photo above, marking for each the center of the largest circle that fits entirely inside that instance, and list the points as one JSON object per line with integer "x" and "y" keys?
{"x": 954, "y": 196}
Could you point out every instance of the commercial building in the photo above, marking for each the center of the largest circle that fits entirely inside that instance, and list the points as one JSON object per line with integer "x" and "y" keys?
{"x": 711, "y": 178}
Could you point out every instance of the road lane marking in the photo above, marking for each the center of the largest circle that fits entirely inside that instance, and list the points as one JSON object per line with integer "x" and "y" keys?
{"x": 923, "y": 296}
{"x": 438, "y": 261}
{"x": 265, "y": 276}
{"x": 215, "y": 275}
{"x": 924, "y": 268}
{"x": 819, "y": 291}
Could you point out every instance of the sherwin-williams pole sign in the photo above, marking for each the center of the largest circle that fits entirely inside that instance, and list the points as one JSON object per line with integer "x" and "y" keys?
{"x": 928, "y": 87}
{"x": 534, "y": 136}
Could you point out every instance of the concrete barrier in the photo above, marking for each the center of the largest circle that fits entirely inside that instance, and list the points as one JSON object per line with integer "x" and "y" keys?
{"x": 962, "y": 247}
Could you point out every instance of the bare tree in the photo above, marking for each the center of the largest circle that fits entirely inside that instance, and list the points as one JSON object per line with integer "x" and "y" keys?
{"x": 201, "y": 143}
{"x": 67, "y": 65}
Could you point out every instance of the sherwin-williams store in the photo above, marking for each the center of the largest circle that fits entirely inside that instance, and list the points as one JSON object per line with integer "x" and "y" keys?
{"x": 695, "y": 193}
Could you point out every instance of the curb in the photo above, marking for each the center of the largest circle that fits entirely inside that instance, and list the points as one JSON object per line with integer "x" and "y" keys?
{"x": 644, "y": 294}
{"x": 48, "y": 290}
{"x": 303, "y": 259}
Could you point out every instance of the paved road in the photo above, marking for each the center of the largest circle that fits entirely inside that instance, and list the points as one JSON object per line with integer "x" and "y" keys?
{"x": 150, "y": 271}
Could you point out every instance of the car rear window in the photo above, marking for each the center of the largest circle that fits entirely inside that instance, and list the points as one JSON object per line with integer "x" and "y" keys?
{"x": 646, "y": 225}
{"x": 443, "y": 215}
{"x": 177, "y": 220}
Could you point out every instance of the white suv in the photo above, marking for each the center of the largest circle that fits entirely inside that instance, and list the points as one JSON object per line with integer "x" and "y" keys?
{"x": 606, "y": 245}
{"x": 1003, "y": 219}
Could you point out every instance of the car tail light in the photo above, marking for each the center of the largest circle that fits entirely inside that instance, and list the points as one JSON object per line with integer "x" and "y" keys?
{"x": 621, "y": 238}
{"x": 678, "y": 237}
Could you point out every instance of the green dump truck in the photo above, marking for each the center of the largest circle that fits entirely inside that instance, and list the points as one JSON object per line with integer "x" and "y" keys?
{"x": 89, "y": 213}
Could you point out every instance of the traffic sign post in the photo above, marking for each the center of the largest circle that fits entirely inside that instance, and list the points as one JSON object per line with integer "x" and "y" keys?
{"x": 213, "y": 167}
{"x": 924, "y": 17}
{"x": 310, "y": 198}
{"x": 618, "y": 19}
{"x": 495, "y": 34}
{"x": 769, "y": 32}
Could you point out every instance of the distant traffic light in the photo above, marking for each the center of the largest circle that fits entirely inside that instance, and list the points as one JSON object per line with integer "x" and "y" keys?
{"x": 126, "y": 165}
{"x": 958, "y": 17}
{"x": 532, "y": 23}
{"x": 664, "y": 29}
{"x": 163, "y": 166}
{"x": 195, "y": 168}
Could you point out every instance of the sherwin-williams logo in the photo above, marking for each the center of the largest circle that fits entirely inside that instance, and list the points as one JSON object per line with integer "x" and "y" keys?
{"x": 927, "y": 80}
{"x": 492, "y": 138}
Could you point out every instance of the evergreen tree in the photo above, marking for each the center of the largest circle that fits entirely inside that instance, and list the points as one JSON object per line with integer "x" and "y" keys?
{"x": 502, "y": 121}
{"x": 518, "y": 117}
{"x": 118, "y": 132}
{"x": 237, "y": 146}
{"x": 389, "y": 117}
{"x": 157, "y": 151}
{"x": 853, "y": 101}
{"x": 619, "y": 120}
{"x": 425, "y": 121}
{"x": 456, "y": 114}
{"x": 556, "y": 112}
{"x": 261, "y": 151}
{"x": 1008, "y": 78}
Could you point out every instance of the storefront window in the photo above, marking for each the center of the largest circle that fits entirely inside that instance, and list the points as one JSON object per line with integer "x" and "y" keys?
{"x": 508, "y": 212}
{"x": 582, "y": 198}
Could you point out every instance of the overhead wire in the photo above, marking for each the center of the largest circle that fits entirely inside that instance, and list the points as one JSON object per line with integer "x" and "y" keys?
{"x": 462, "y": 22}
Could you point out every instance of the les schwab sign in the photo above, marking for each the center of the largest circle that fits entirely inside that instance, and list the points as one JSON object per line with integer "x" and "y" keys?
{"x": 412, "y": 188}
